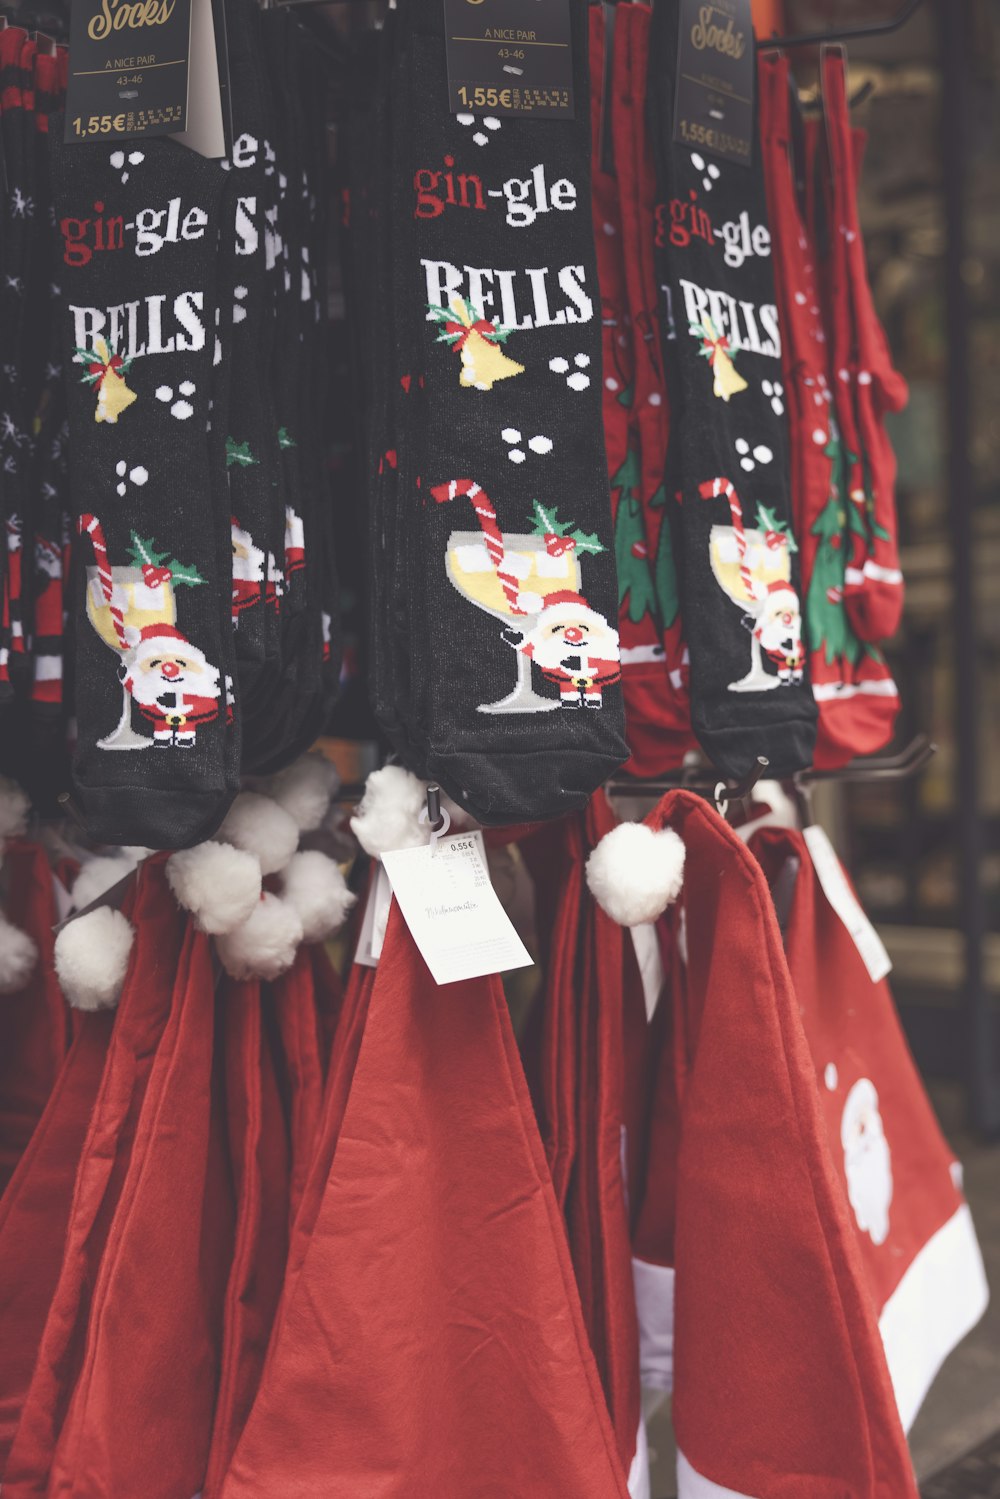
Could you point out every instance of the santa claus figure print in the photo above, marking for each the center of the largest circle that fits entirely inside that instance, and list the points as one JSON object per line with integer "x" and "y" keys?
{"x": 248, "y": 570}
{"x": 573, "y": 646}
{"x": 172, "y": 683}
{"x": 867, "y": 1160}
{"x": 295, "y": 542}
{"x": 778, "y": 628}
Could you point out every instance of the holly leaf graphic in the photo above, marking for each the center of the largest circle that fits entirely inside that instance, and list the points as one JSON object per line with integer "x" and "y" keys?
{"x": 239, "y": 453}
{"x": 181, "y": 573}
{"x": 546, "y": 522}
{"x": 285, "y": 439}
{"x": 585, "y": 542}
{"x": 768, "y": 521}
{"x": 143, "y": 553}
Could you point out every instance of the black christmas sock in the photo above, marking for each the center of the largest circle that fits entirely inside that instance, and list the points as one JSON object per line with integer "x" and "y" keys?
{"x": 157, "y": 758}
{"x": 728, "y": 458}
{"x": 515, "y": 672}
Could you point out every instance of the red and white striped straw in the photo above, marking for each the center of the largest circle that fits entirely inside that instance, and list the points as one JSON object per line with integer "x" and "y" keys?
{"x": 92, "y": 526}
{"x": 711, "y": 490}
{"x": 492, "y": 535}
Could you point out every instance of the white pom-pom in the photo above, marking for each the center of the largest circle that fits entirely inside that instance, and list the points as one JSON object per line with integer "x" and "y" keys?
{"x": 18, "y": 956}
{"x": 634, "y": 873}
{"x": 389, "y": 815}
{"x": 92, "y": 956}
{"x": 316, "y": 890}
{"x": 265, "y": 945}
{"x": 259, "y": 826}
{"x": 305, "y": 790}
{"x": 14, "y": 809}
{"x": 97, "y": 875}
{"x": 218, "y": 884}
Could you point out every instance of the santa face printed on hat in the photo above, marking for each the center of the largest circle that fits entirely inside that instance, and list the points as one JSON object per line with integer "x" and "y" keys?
{"x": 867, "y": 1160}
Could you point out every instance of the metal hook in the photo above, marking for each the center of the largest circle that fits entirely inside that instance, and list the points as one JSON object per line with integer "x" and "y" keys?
{"x": 435, "y": 815}
{"x": 741, "y": 791}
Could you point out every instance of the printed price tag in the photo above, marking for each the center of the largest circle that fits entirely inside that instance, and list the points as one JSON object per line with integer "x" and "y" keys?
{"x": 509, "y": 57}
{"x": 147, "y": 67}
{"x": 716, "y": 63}
{"x": 838, "y": 892}
{"x": 452, "y": 911}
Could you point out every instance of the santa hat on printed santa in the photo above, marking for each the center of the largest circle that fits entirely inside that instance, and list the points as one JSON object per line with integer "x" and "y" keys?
{"x": 573, "y": 609}
{"x": 163, "y": 640}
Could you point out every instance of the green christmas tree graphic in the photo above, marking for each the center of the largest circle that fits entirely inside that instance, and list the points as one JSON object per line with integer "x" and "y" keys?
{"x": 664, "y": 567}
{"x": 635, "y": 576}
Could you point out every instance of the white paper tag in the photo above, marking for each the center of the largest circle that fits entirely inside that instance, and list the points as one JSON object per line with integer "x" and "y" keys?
{"x": 843, "y": 900}
{"x": 453, "y": 913}
{"x": 376, "y": 919}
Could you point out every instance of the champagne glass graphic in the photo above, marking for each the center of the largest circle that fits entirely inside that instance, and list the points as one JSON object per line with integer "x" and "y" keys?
{"x": 745, "y": 564}
{"x": 120, "y": 599}
{"x": 508, "y": 575}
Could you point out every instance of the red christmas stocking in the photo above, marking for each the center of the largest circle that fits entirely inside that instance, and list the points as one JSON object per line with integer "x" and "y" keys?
{"x": 900, "y": 1179}
{"x": 134, "y": 1425}
{"x": 637, "y": 197}
{"x": 851, "y": 682}
{"x": 34, "y": 1023}
{"x": 153, "y": 984}
{"x": 782, "y": 1389}
{"x": 644, "y": 679}
{"x": 258, "y": 1145}
{"x": 874, "y": 583}
{"x": 438, "y": 1247}
{"x": 34, "y": 1212}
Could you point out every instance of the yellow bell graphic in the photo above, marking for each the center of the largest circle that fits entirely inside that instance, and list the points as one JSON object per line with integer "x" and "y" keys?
{"x": 728, "y": 381}
{"x": 483, "y": 360}
{"x": 113, "y": 395}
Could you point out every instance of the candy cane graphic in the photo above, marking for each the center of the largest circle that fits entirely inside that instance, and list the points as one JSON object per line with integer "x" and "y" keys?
{"x": 490, "y": 528}
{"x": 92, "y": 526}
{"x": 711, "y": 490}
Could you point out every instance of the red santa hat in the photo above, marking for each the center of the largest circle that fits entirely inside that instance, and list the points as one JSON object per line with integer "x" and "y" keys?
{"x": 782, "y": 586}
{"x": 163, "y": 640}
{"x": 568, "y": 605}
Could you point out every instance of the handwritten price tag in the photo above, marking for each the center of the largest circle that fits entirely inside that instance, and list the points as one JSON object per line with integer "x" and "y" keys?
{"x": 454, "y": 915}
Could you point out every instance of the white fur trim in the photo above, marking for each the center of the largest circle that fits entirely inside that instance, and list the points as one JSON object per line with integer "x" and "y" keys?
{"x": 556, "y": 612}
{"x": 306, "y": 789}
{"x": 98, "y": 874}
{"x": 263, "y": 946}
{"x": 634, "y": 873}
{"x": 217, "y": 883}
{"x": 693, "y": 1485}
{"x": 316, "y": 890}
{"x": 654, "y": 1304}
{"x": 15, "y": 807}
{"x": 389, "y": 814}
{"x": 639, "y": 1482}
{"x": 940, "y": 1298}
{"x": 18, "y": 956}
{"x": 91, "y": 956}
{"x": 259, "y": 826}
